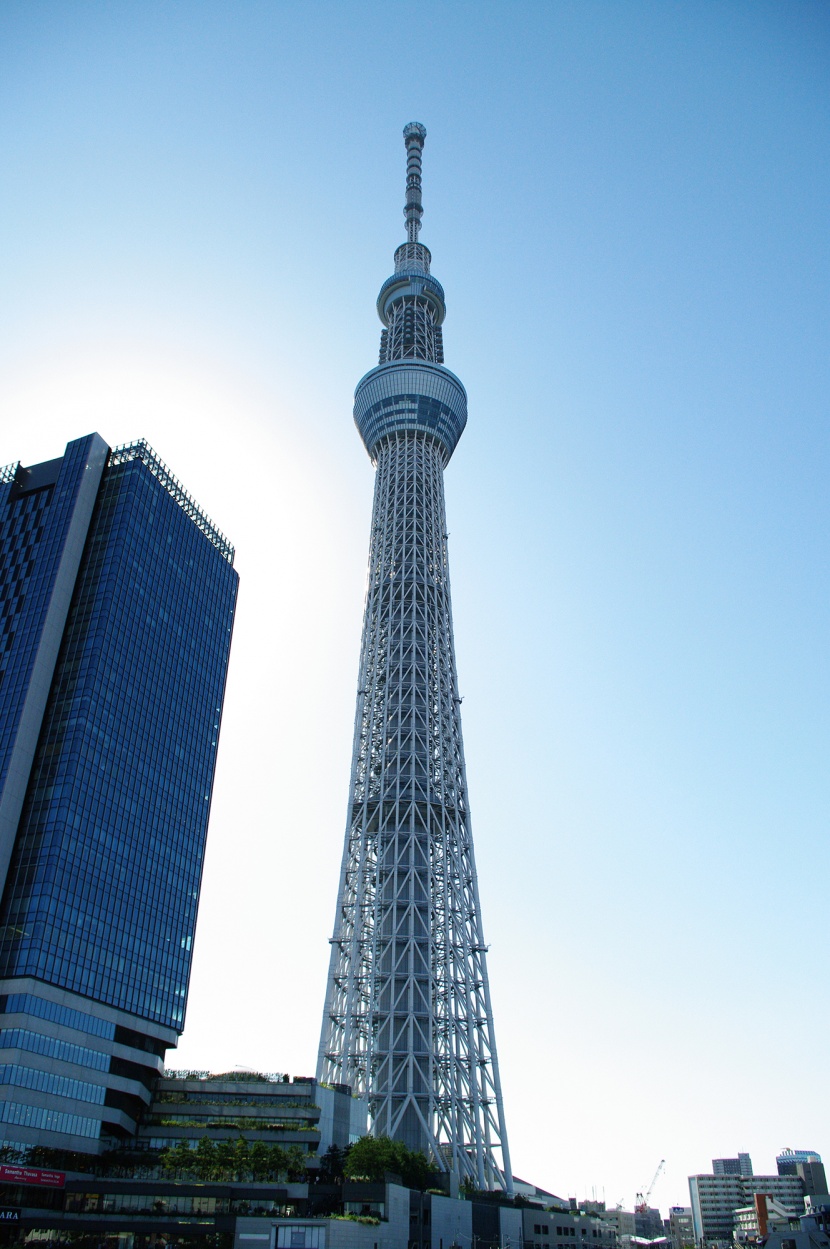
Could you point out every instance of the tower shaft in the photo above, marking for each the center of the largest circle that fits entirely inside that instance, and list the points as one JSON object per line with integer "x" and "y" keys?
{"x": 408, "y": 1021}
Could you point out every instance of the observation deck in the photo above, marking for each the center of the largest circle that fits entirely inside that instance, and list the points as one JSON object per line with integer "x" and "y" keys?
{"x": 410, "y": 396}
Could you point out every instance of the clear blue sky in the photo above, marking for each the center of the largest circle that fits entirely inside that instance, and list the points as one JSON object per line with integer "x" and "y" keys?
{"x": 626, "y": 204}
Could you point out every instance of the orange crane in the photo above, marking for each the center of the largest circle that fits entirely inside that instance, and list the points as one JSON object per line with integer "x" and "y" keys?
{"x": 642, "y": 1201}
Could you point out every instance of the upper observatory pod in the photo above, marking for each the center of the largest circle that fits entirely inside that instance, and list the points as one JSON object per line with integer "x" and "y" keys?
{"x": 411, "y": 390}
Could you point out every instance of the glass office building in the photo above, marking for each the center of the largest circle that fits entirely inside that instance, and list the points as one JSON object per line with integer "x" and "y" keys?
{"x": 117, "y": 597}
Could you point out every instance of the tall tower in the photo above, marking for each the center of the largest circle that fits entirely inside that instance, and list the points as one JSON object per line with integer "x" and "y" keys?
{"x": 407, "y": 1020}
{"x": 117, "y": 599}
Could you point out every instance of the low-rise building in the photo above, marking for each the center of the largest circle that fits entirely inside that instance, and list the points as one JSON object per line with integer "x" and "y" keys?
{"x": 210, "y": 1149}
{"x": 622, "y": 1221}
{"x": 403, "y": 1219}
{"x": 557, "y": 1229}
{"x": 681, "y": 1227}
{"x": 246, "y": 1160}
{"x": 765, "y": 1215}
{"x": 648, "y": 1223}
{"x": 188, "y": 1214}
{"x": 810, "y": 1231}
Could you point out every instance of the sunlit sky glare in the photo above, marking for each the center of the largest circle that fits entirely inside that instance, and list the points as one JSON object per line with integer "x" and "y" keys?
{"x": 626, "y": 204}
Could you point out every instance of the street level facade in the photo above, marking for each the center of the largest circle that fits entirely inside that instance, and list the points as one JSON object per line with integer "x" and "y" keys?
{"x": 408, "y": 1020}
{"x": 116, "y": 611}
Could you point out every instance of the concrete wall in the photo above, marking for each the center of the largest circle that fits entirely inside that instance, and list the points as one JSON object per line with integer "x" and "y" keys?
{"x": 452, "y": 1221}
{"x": 510, "y": 1223}
{"x": 390, "y": 1233}
{"x": 451, "y": 1224}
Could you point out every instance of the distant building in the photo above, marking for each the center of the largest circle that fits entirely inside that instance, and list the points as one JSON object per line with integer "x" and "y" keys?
{"x": 818, "y": 1208}
{"x": 648, "y": 1223}
{"x": 807, "y": 1165}
{"x": 742, "y": 1165}
{"x": 681, "y": 1227}
{"x": 590, "y": 1206}
{"x": 813, "y": 1178}
{"x": 622, "y": 1222}
{"x": 715, "y": 1198}
{"x": 787, "y": 1160}
{"x": 765, "y": 1215}
{"x": 812, "y": 1231}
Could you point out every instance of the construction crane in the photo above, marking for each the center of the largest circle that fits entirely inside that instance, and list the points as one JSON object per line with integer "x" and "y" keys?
{"x": 642, "y": 1201}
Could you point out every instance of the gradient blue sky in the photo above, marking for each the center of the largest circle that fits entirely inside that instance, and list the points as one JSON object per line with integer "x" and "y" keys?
{"x": 626, "y": 204}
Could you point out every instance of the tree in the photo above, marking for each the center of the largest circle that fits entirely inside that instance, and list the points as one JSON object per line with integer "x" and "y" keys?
{"x": 241, "y": 1159}
{"x": 278, "y": 1161}
{"x": 331, "y": 1165}
{"x": 205, "y": 1160}
{"x": 296, "y": 1162}
{"x": 224, "y": 1160}
{"x": 259, "y": 1161}
{"x": 178, "y": 1160}
{"x": 372, "y": 1156}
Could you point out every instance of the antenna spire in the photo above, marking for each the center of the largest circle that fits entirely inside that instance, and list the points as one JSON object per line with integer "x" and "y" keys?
{"x": 413, "y": 136}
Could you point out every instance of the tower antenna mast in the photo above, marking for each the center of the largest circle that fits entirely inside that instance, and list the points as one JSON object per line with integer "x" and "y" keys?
{"x": 414, "y": 136}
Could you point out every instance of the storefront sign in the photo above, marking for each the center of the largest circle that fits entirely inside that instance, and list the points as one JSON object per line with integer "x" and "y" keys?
{"x": 32, "y": 1175}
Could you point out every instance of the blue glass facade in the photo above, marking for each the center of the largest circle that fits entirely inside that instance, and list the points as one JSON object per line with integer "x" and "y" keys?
{"x": 104, "y": 870}
{"x": 103, "y": 886}
{"x": 45, "y": 514}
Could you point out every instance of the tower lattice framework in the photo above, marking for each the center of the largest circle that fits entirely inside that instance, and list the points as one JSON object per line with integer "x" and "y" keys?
{"x": 408, "y": 1021}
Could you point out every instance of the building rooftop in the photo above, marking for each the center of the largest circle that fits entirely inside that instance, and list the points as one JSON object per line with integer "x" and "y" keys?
{"x": 141, "y": 450}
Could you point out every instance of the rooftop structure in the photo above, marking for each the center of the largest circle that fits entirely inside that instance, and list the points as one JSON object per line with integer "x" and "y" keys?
{"x": 788, "y": 1159}
{"x": 742, "y": 1165}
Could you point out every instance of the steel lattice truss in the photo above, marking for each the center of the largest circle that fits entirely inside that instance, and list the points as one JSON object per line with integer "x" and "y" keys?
{"x": 408, "y": 1021}
{"x": 412, "y": 333}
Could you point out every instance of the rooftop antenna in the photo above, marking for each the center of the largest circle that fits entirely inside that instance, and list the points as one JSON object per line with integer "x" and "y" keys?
{"x": 413, "y": 136}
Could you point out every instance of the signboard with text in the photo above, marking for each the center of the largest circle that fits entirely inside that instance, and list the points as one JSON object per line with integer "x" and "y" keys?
{"x": 32, "y": 1175}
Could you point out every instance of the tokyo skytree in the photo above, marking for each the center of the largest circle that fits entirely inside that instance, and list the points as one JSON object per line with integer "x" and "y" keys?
{"x": 407, "y": 1020}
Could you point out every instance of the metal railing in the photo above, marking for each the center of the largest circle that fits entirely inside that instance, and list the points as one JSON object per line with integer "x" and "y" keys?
{"x": 141, "y": 450}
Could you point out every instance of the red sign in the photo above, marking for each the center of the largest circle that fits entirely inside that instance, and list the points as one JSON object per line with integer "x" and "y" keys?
{"x": 32, "y": 1175}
